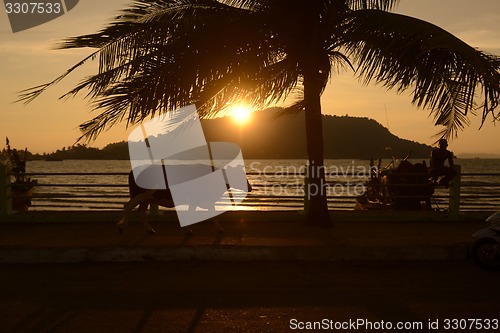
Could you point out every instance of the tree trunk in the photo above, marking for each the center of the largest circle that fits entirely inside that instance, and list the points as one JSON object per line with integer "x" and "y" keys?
{"x": 317, "y": 212}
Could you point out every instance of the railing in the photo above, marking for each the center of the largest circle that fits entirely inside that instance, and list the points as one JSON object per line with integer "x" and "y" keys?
{"x": 86, "y": 191}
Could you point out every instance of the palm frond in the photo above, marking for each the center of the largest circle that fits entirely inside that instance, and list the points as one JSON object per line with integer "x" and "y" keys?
{"x": 372, "y": 4}
{"x": 28, "y": 95}
{"x": 291, "y": 110}
{"x": 150, "y": 71}
{"x": 165, "y": 54}
{"x": 446, "y": 75}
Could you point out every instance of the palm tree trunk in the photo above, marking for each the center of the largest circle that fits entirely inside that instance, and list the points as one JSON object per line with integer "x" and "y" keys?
{"x": 317, "y": 213}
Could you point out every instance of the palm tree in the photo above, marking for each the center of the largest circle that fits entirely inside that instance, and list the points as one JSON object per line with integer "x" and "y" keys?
{"x": 164, "y": 54}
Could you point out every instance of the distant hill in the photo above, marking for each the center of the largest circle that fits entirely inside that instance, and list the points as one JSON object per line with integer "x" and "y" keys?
{"x": 284, "y": 137}
{"x": 268, "y": 137}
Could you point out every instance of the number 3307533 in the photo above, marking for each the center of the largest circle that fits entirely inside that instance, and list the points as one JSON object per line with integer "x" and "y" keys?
{"x": 33, "y": 8}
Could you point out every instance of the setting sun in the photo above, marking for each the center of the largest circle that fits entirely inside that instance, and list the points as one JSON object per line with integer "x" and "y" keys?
{"x": 241, "y": 114}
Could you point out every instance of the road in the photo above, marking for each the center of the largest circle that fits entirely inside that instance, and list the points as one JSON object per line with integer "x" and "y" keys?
{"x": 194, "y": 296}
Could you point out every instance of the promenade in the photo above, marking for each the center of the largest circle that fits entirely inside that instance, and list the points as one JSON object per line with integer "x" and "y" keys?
{"x": 70, "y": 237}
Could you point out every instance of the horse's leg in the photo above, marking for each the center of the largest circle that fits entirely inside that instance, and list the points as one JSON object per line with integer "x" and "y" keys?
{"x": 131, "y": 204}
{"x": 215, "y": 219}
{"x": 191, "y": 209}
{"x": 143, "y": 207}
{"x": 217, "y": 225}
{"x": 124, "y": 221}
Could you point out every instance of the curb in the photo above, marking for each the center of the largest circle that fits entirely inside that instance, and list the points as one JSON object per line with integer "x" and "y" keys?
{"x": 226, "y": 253}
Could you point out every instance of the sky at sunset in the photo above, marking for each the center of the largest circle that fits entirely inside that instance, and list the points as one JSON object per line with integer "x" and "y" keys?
{"x": 28, "y": 59}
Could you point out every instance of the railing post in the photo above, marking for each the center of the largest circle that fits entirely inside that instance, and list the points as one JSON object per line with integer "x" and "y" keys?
{"x": 306, "y": 190}
{"x": 454, "y": 198}
{"x": 5, "y": 190}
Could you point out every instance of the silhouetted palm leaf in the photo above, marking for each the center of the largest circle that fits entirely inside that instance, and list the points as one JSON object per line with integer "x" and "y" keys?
{"x": 444, "y": 72}
{"x": 161, "y": 55}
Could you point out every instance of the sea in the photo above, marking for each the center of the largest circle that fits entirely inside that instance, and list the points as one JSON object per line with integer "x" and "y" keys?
{"x": 277, "y": 184}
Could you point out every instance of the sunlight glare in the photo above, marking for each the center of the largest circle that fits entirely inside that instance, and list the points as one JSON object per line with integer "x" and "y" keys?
{"x": 241, "y": 114}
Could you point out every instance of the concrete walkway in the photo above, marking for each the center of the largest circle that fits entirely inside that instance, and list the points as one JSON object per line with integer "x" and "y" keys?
{"x": 68, "y": 237}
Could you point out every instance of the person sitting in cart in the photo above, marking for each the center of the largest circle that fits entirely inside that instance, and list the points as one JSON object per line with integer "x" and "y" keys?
{"x": 440, "y": 173}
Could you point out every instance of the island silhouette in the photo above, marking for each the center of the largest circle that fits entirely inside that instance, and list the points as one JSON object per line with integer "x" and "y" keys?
{"x": 266, "y": 136}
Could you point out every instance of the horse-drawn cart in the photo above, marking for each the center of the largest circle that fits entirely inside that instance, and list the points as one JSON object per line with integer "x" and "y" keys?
{"x": 406, "y": 186}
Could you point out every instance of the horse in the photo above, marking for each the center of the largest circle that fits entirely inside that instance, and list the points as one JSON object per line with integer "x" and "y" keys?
{"x": 144, "y": 197}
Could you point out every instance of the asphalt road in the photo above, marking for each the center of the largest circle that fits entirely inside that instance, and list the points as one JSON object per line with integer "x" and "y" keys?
{"x": 192, "y": 296}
